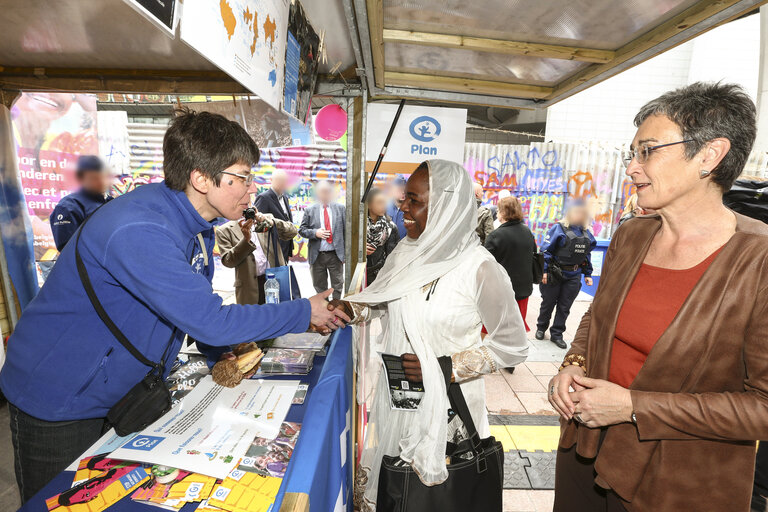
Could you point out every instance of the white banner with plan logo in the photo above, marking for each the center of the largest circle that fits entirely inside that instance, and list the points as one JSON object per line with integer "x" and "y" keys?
{"x": 422, "y": 133}
{"x": 212, "y": 427}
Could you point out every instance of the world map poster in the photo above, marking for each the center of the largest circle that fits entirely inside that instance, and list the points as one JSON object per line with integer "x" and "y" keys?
{"x": 244, "y": 38}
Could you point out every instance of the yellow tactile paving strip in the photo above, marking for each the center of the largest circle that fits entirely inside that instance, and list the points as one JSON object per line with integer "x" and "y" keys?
{"x": 527, "y": 437}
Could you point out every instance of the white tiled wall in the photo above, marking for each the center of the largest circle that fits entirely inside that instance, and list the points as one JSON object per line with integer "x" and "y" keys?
{"x": 605, "y": 112}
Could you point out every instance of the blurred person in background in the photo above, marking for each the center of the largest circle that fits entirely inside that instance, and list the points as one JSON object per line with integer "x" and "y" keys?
{"x": 397, "y": 196}
{"x": 631, "y": 210}
{"x": 323, "y": 225}
{"x": 382, "y": 234}
{"x": 74, "y": 208}
{"x": 566, "y": 249}
{"x": 513, "y": 246}
{"x": 274, "y": 201}
{"x": 251, "y": 253}
{"x": 484, "y": 215}
{"x": 669, "y": 367}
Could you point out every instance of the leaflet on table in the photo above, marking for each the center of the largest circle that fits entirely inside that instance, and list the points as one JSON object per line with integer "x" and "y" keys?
{"x": 404, "y": 395}
{"x": 270, "y": 457}
{"x": 213, "y": 426}
{"x": 106, "y": 444}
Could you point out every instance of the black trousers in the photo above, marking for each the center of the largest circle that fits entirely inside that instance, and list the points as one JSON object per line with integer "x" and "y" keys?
{"x": 43, "y": 449}
{"x": 575, "y": 489}
{"x": 760, "y": 489}
{"x": 558, "y": 297}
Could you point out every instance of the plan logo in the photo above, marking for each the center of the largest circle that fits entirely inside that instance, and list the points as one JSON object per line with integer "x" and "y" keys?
{"x": 424, "y": 129}
{"x": 143, "y": 443}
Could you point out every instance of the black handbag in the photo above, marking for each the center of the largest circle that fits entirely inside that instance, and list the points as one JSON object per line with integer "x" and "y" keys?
{"x": 149, "y": 399}
{"x": 475, "y": 471}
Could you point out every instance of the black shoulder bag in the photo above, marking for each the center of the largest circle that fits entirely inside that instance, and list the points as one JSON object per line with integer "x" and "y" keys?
{"x": 475, "y": 471}
{"x": 150, "y": 398}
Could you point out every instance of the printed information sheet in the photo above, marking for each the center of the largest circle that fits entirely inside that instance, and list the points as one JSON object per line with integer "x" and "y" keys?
{"x": 212, "y": 427}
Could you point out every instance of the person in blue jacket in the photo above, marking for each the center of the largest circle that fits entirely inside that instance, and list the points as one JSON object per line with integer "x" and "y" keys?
{"x": 149, "y": 256}
{"x": 73, "y": 209}
{"x": 567, "y": 247}
{"x": 397, "y": 191}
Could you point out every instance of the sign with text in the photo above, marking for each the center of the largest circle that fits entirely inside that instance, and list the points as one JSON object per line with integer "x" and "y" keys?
{"x": 50, "y": 131}
{"x": 422, "y": 133}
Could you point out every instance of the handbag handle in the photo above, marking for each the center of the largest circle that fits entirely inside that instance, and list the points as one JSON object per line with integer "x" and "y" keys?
{"x": 86, "y": 280}
{"x": 459, "y": 404}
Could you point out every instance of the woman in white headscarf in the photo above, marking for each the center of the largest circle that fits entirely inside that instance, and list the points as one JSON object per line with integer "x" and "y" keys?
{"x": 435, "y": 292}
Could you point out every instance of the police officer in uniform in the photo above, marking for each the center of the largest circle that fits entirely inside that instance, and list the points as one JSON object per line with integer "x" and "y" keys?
{"x": 566, "y": 257}
{"x": 73, "y": 209}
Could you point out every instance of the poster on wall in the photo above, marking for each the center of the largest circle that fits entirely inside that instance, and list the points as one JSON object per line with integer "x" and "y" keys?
{"x": 422, "y": 133}
{"x": 301, "y": 62}
{"x": 244, "y": 38}
{"x": 50, "y": 131}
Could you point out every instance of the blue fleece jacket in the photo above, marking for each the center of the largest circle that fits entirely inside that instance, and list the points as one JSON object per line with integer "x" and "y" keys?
{"x": 147, "y": 267}
{"x": 71, "y": 211}
{"x": 556, "y": 238}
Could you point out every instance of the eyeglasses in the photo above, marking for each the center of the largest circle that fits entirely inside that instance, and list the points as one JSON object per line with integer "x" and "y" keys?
{"x": 248, "y": 178}
{"x": 644, "y": 152}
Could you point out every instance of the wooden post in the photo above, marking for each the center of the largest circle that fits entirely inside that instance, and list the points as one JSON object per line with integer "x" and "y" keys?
{"x": 356, "y": 212}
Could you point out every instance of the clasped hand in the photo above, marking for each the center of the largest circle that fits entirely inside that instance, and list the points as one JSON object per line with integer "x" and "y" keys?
{"x": 327, "y": 315}
{"x": 593, "y": 402}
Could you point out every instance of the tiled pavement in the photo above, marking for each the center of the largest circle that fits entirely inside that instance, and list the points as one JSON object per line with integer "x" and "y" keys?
{"x": 524, "y": 422}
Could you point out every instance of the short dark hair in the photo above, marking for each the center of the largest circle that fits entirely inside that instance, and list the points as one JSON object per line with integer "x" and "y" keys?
{"x": 511, "y": 209}
{"x": 205, "y": 141}
{"x": 705, "y": 111}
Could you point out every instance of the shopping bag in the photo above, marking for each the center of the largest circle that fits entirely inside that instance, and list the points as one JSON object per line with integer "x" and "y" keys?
{"x": 289, "y": 286}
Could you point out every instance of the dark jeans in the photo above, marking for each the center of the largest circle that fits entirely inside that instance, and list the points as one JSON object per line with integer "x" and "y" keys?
{"x": 760, "y": 489}
{"x": 43, "y": 449}
{"x": 575, "y": 489}
{"x": 327, "y": 263}
{"x": 560, "y": 295}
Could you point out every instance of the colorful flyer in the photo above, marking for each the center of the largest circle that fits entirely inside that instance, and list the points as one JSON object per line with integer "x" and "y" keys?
{"x": 106, "y": 444}
{"x": 270, "y": 457}
{"x": 242, "y": 491}
{"x": 211, "y": 428}
{"x": 174, "y": 487}
{"x": 100, "y": 492}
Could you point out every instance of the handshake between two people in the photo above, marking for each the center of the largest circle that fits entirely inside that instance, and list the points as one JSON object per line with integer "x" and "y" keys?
{"x": 328, "y": 315}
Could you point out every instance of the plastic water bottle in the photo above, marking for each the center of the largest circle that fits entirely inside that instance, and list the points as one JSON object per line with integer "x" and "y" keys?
{"x": 272, "y": 290}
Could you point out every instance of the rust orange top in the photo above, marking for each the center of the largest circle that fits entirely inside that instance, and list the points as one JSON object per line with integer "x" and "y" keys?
{"x": 656, "y": 295}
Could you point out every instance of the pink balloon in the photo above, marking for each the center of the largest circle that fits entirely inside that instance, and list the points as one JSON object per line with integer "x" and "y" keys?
{"x": 331, "y": 122}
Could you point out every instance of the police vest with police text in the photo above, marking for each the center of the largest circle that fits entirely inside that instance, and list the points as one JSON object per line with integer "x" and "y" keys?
{"x": 575, "y": 250}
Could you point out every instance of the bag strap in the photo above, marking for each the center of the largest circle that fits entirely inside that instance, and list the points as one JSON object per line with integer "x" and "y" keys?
{"x": 86, "y": 280}
{"x": 459, "y": 404}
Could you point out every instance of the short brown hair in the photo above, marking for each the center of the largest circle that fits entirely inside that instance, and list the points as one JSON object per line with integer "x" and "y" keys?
{"x": 511, "y": 209}
{"x": 205, "y": 141}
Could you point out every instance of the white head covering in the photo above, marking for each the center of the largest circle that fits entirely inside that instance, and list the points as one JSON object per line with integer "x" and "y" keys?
{"x": 448, "y": 237}
{"x": 450, "y": 231}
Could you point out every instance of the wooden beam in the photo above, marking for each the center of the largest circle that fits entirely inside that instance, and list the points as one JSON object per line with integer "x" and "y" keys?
{"x": 694, "y": 15}
{"x": 161, "y": 81}
{"x": 482, "y": 44}
{"x": 467, "y": 85}
{"x": 375, "y": 10}
{"x": 295, "y": 502}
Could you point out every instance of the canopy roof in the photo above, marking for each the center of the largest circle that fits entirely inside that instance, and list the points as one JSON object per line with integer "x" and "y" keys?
{"x": 510, "y": 53}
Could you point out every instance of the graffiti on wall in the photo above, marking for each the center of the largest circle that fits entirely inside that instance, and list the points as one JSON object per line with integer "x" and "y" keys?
{"x": 546, "y": 177}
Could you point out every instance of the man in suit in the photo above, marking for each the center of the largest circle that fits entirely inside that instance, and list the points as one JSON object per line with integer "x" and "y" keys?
{"x": 323, "y": 225}
{"x": 251, "y": 254}
{"x": 275, "y": 202}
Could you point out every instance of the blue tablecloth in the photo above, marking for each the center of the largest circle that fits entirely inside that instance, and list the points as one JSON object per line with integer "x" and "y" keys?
{"x": 314, "y": 414}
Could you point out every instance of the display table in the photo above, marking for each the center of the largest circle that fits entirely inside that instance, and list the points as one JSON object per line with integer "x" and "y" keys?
{"x": 319, "y": 471}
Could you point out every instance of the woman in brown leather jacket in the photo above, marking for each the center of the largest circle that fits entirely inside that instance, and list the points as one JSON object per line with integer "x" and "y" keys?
{"x": 665, "y": 388}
